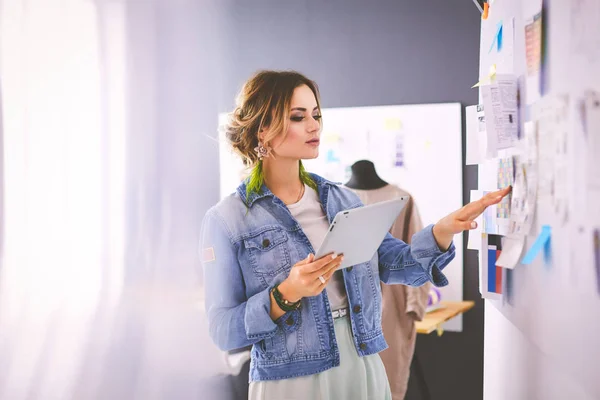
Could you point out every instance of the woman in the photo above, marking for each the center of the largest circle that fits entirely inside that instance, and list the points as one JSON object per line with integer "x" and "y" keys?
{"x": 263, "y": 285}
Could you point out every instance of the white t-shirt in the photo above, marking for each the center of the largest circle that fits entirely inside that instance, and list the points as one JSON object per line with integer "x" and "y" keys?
{"x": 313, "y": 220}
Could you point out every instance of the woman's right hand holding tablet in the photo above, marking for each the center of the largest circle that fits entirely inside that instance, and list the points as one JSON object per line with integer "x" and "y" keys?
{"x": 309, "y": 277}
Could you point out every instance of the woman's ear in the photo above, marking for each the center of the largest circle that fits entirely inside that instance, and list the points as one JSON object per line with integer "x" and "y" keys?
{"x": 262, "y": 134}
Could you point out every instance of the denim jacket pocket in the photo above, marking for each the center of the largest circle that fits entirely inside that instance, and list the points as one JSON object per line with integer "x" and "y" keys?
{"x": 267, "y": 251}
{"x": 290, "y": 321}
{"x": 274, "y": 348}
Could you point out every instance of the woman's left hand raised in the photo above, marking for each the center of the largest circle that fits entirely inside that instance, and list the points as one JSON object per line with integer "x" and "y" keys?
{"x": 464, "y": 218}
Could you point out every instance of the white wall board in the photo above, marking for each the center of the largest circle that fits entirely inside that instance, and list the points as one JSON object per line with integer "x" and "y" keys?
{"x": 541, "y": 340}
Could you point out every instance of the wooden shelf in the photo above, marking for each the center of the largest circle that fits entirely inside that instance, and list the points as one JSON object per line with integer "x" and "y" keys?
{"x": 433, "y": 320}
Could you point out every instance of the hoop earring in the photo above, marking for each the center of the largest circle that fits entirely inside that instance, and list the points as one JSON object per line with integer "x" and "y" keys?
{"x": 262, "y": 151}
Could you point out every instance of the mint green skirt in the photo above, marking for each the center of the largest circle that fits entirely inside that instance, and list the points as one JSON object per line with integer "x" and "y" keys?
{"x": 356, "y": 377}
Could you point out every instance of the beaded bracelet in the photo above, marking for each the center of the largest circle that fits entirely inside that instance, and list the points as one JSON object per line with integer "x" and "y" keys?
{"x": 285, "y": 305}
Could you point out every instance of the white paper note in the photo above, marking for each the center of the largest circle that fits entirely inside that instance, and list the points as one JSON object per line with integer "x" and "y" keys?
{"x": 585, "y": 29}
{"x": 512, "y": 249}
{"x": 476, "y": 136}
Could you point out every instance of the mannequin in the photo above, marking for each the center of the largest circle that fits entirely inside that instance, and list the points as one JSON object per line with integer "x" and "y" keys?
{"x": 364, "y": 176}
{"x": 401, "y": 305}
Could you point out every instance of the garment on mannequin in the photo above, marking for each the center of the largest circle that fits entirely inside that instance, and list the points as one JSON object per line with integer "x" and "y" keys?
{"x": 364, "y": 176}
{"x": 401, "y": 305}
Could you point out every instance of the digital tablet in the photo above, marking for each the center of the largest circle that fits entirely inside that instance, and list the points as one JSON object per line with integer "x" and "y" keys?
{"x": 357, "y": 233}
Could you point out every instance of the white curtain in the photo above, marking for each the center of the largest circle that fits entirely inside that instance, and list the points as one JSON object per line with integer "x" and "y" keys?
{"x": 63, "y": 216}
{"x": 103, "y": 174}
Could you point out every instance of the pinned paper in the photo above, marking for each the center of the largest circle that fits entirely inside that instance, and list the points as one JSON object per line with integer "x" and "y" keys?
{"x": 494, "y": 271}
{"x": 541, "y": 243}
{"x": 597, "y": 257}
{"x": 489, "y": 220}
{"x": 591, "y": 127}
{"x": 491, "y": 274}
{"x": 533, "y": 56}
{"x": 523, "y": 195}
{"x": 474, "y": 242}
{"x": 505, "y": 177}
{"x": 501, "y": 112}
{"x": 476, "y": 136}
{"x": 554, "y": 128}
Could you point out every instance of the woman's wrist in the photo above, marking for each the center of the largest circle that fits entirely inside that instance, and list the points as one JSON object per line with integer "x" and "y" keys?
{"x": 287, "y": 292}
{"x": 443, "y": 239}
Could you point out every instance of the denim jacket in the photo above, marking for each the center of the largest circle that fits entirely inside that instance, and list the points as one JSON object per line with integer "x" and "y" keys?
{"x": 249, "y": 245}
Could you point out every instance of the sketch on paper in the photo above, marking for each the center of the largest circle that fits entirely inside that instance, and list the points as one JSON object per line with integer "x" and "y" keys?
{"x": 585, "y": 29}
{"x": 552, "y": 115}
{"x": 533, "y": 55}
{"x": 505, "y": 178}
{"x": 533, "y": 44}
{"x": 592, "y": 133}
{"x": 523, "y": 198}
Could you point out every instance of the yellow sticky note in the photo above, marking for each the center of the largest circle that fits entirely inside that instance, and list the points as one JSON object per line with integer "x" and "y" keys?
{"x": 331, "y": 137}
{"x": 393, "y": 124}
{"x": 488, "y": 79}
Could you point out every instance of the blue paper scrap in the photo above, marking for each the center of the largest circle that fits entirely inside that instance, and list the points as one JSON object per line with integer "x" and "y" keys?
{"x": 497, "y": 39}
{"x": 541, "y": 243}
{"x": 331, "y": 157}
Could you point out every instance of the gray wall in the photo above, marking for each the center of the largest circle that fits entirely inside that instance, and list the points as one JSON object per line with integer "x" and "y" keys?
{"x": 373, "y": 53}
